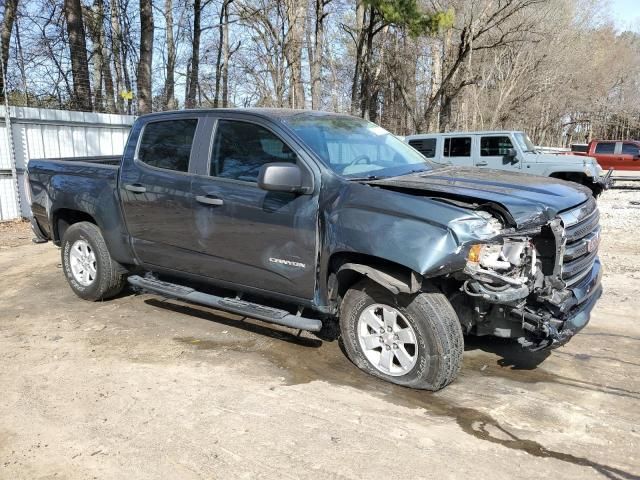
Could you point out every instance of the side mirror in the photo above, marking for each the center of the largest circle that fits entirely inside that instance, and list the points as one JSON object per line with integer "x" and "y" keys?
{"x": 281, "y": 177}
{"x": 512, "y": 155}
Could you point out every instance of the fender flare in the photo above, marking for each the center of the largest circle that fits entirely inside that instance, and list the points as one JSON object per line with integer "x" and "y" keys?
{"x": 395, "y": 279}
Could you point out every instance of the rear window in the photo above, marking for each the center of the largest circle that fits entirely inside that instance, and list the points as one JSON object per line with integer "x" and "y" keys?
{"x": 457, "y": 147}
{"x": 426, "y": 146}
{"x": 605, "y": 147}
{"x": 167, "y": 144}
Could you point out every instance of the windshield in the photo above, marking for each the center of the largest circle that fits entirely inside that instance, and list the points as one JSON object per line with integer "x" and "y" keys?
{"x": 356, "y": 148}
{"x": 525, "y": 143}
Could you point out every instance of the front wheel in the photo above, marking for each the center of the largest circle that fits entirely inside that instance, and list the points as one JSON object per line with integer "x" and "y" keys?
{"x": 91, "y": 272}
{"x": 412, "y": 340}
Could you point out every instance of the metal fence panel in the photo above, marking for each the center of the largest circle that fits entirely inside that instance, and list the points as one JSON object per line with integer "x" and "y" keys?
{"x": 47, "y": 133}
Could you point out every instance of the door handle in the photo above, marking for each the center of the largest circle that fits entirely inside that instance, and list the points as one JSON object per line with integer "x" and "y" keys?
{"x": 135, "y": 188}
{"x": 209, "y": 200}
{"x": 481, "y": 164}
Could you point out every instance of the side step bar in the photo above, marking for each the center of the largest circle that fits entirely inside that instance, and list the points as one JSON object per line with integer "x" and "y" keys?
{"x": 233, "y": 305}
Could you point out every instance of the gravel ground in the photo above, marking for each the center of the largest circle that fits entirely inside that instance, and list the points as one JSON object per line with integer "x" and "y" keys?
{"x": 144, "y": 388}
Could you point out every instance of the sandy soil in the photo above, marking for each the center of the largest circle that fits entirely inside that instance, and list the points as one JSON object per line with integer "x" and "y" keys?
{"x": 138, "y": 387}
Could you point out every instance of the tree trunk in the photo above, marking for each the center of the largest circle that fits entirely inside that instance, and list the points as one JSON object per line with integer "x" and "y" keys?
{"x": 296, "y": 11}
{"x": 192, "y": 81}
{"x": 146, "y": 57}
{"x": 222, "y": 58}
{"x": 318, "y": 54}
{"x": 10, "y": 10}
{"x": 169, "y": 101}
{"x": 78, "y": 52}
{"x": 360, "y": 52}
{"x": 116, "y": 50}
{"x": 94, "y": 18}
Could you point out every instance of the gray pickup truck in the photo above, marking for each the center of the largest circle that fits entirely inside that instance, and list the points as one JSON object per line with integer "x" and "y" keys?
{"x": 326, "y": 223}
{"x": 509, "y": 150}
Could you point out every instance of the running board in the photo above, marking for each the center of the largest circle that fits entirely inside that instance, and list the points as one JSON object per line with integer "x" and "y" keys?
{"x": 233, "y": 305}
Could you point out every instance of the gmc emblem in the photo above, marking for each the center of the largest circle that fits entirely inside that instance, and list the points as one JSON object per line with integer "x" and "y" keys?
{"x": 593, "y": 242}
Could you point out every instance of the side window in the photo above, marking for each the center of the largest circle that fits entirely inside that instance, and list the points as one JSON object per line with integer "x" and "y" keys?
{"x": 241, "y": 148}
{"x": 167, "y": 144}
{"x": 457, "y": 147}
{"x": 603, "y": 147}
{"x": 426, "y": 146}
{"x": 630, "y": 149}
{"x": 494, "y": 146}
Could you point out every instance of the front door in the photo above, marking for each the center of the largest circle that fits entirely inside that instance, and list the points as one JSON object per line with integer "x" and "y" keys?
{"x": 630, "y": 156}
{"x": 248, "y": 236}
{"x": 494, "y": 153}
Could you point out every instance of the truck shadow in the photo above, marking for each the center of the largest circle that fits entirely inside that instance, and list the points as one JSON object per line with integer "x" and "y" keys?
{"x": 328, "y": 365}
{"x": 512, "y": 355}
{"x": 241, "y": 323}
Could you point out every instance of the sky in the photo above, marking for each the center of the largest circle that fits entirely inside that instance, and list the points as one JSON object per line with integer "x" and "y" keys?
{"x": 626, "y": 14}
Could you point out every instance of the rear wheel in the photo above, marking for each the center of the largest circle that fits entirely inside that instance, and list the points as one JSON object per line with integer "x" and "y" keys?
{"x": 91, "y": 272}
{"x": 411, "y": 340}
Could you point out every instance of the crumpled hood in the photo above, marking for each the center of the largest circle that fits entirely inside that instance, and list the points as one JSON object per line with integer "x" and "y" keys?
{"x": 529, "y": 199}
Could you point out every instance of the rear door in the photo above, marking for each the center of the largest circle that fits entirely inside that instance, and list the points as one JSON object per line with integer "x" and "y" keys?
{"x": 494, "y": 151}
{"x": 457, "y": 150}
{"x": 605, "y": 153}
{"x": 155, "y": 187}
{"x": 246, "y": 235}
{"x": 630, "y": 156}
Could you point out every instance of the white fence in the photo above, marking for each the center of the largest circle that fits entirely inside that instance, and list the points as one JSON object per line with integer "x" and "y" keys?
{"x": 43, "y": 133}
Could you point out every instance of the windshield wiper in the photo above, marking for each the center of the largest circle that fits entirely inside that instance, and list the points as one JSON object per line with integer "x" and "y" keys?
{"x": 365, "y": 179}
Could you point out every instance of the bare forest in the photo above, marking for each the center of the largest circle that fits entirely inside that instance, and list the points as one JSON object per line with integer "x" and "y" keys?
{"x": 558, "y": 69}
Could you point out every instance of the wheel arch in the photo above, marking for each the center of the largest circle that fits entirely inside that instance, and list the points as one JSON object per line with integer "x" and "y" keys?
{"x": 348, "y": 268}
{"x": 63, "y": 218}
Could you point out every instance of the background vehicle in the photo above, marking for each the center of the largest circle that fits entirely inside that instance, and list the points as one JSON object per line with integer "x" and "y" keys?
{"x": 614, "y": 154}
{"x": 278, "y": 213}
{"x": 508, "y": 150}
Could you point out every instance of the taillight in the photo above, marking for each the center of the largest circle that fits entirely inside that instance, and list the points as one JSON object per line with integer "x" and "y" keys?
{"x": 27, "y": 187}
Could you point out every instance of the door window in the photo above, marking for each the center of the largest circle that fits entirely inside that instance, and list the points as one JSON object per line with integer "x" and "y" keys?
{"x": 602, "y": 147}
{"x": 241, "y": 148}
{"x": 167, "y": 144}
{"x": 426, "y": 146}
{"x": 630, "y": 149}
{"x": 494, "y": 146}
{"x": 457, "y": 147}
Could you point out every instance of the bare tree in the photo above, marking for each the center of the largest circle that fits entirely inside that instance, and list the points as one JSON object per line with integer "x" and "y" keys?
{"x": 169, "y": 99}
{"x": 78, "y": 52}
{"x": 194, "y": 65}
{"x": 10, "y": 10}
{"x": 146, "y": 57}
{"x": 316, "y": 52}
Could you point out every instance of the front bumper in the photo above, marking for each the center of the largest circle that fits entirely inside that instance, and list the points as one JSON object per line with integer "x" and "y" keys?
{"x": 545, "y": 331}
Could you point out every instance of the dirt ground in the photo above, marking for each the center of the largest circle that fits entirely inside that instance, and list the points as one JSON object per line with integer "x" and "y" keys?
{"x": 138, "y": 387}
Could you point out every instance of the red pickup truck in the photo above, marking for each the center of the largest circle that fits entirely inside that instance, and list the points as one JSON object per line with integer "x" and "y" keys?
{"x": 612, "y": 154}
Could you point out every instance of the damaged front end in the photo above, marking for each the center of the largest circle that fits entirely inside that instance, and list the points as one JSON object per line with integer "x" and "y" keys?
{"x": 538, "y": 285}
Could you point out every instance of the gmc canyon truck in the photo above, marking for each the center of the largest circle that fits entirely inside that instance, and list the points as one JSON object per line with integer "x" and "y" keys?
{"x": 509, "y": 150}
{"x": 326, "y": 223}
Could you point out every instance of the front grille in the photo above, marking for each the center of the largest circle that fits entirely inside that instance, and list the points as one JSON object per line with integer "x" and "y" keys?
{"x": 582, "y": 235}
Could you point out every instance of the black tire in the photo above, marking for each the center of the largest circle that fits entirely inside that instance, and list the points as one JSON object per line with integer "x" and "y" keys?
{"x": 111, "y": 276}
{"x": 439, "y": 338}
